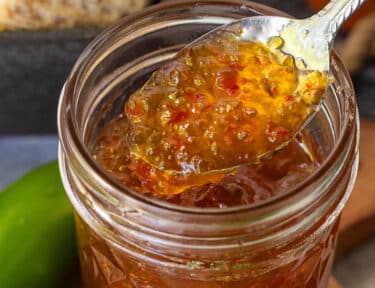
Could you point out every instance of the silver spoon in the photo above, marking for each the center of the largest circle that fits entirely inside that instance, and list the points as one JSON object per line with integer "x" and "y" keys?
{"x": 310, "y": 39}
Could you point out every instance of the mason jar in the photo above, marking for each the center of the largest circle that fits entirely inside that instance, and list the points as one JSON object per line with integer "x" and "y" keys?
{"x": 128, "y": 240}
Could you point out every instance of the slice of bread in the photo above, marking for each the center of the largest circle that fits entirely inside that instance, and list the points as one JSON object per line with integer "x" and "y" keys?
{"x": 60, "y": 14}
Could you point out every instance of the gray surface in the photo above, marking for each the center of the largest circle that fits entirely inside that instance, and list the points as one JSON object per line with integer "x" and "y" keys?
{"x": 357, "y": 268}
{"x": 19, "y": 154}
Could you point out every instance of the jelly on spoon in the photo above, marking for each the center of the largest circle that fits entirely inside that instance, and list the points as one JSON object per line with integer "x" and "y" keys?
{"x": 235, "y": 95}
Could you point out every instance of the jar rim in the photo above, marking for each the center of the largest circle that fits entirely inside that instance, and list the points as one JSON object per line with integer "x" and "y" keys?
{"x": 73, "y": 143}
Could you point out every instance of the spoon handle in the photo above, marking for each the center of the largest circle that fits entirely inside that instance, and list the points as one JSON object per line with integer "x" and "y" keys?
{"x": 334, "y": 14}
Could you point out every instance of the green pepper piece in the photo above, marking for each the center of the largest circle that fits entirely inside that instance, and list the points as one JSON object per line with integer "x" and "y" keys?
{"x": 37, "y": 234}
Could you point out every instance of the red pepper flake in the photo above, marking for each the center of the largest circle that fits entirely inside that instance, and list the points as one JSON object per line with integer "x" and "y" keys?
{"x": 207, "y": 107}
{"x": 230, "y": 61}
{"x": 309, "y": 85}
{"x": 156, "y": 151}
{"x": 230, "y": 131}
{"x": 177, "y": 117}
{"x": 228, "y": 80}
{"x": 195, "y": 96}
{"x": 174, "y": 142}
{"x": 289, "y": 99}
{"x": 142, "y": 169}
{"x": 230, "y": 135}
{"x": 277, "y": 133}
{"x": 275, "y": 91}
{"x": 134, "y": 110}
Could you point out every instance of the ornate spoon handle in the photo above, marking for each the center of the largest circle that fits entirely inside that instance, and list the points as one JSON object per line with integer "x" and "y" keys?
{"x": 334, "y": 14}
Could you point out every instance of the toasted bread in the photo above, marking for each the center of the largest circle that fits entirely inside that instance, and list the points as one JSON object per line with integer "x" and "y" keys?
{"x": 60, "y": 14}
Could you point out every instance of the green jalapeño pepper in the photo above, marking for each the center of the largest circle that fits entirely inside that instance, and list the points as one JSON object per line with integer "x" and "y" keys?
{"x": 37, "y": 235}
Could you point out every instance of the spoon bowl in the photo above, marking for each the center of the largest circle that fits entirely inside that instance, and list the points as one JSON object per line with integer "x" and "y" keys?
{"x": 305, "y": 43}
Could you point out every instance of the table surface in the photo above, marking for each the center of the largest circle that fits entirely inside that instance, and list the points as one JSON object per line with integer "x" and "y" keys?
{"x": 19, "y": 154}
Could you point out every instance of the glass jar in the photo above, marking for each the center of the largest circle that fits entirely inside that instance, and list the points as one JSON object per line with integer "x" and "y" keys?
{"x": 129, "y": 240}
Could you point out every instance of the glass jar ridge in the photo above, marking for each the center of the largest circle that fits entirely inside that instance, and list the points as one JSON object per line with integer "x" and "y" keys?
{"x": 197, "y": 245}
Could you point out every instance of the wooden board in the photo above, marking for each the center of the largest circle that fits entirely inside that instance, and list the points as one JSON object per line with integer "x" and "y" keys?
{"x": 358, "y": 218}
